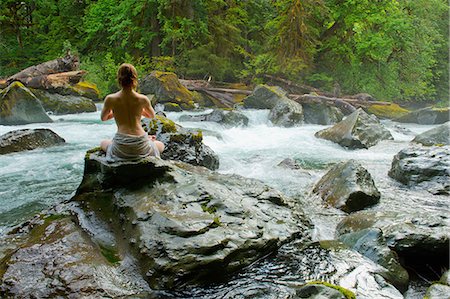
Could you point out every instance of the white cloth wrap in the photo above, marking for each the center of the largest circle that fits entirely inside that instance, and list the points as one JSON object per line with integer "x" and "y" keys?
{"x": 130, "y": 147}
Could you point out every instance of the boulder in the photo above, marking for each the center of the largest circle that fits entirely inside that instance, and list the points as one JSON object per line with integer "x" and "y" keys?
{"x": 426, "y": 116}
{"x": 64, "y": 104}
{"x": 167, "y": 89}
{"x": 419, "y": 238}
{"x": 348, "y": 186}
{"x": 321, "y": 114}
{"x": 286, "y": 113}
{"x": 55, "y": 258}
{"x": 371, "y": 243}
{"x": 264, "y": 97}
{"x": 19, "y": 106}
{"x": 391, "y": 111}
{"x": 28, "y": 139}
{"x": 426, "y": 167}
{"x": 227, "y": 118}
{"x": 438, "y": 291}
{"x": 87, "y": 89}
{"x": 290, "y": 163}
{"x": 187, "y": 224}
{"x": 317, "y": 290}
{"x": 358, "y": 130}
{"x": 181, "y": 144}
{"x": 436, "y": 136}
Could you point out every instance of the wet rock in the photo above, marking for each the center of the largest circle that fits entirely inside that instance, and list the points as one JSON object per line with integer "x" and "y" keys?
{"x": 87, "y": 89}
{"x": 445, "y": 279}
{"x": 228, "y": 118}
{"x": 321, "y": 114}
{"x": 371, "y": 243}
{"x": 181, "y": 144}
{"x": 438, "y": 291}
{"x": 64, "y": 104}
{"x": 426, "y": 116}
{"x": 317, "y": 291}
{"x": 358, "y": 130}
{"x": 425, "y": 167}
{"x": 57, "y": 259}
{"x": 185, "y": 223}
{"x": 167, "y": 89}
{"x": 28, "y": 139}
{"x": 172, "y": 107}
{"x": 348, "y": 186}
{"x": 264, "y": 97}
{"x": 420, "y": 239}
{"x": 290, "y": 164}
{"x": 19, "y": 106}
{"x": 286, "y": 113}
{"x": 391, "y": 111}
{"x": 436, "y": 136}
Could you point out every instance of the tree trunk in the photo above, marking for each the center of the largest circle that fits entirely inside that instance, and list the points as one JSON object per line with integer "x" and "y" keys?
{"x": 53, "y": 81}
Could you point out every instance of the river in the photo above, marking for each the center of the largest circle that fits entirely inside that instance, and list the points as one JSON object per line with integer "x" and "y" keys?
{"x": 31, "y": 181}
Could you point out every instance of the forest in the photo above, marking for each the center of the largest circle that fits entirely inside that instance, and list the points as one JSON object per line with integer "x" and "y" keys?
{"x": 395, "y": 50}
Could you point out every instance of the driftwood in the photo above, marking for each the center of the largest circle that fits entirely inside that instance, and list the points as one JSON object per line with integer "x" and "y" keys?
{"x": 52, "y": 81}
{"x": 295, "y": 88}
{"x": 224, "y": 100}
{"x": 68, "y": 63}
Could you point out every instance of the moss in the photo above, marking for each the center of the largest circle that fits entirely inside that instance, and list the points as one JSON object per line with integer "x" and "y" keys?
{"x": 7, "y": 106}
{"x": 388, "y": 111}
{"x": 168, "y": 126}
{"x": 178, "y": 138}
{"x": 110, "y": 254}
{"x": 92, "y": 150}
{"x": 347, "y": 293}
{"x": 208, "y": 209}
{"x": 197, "y": 137}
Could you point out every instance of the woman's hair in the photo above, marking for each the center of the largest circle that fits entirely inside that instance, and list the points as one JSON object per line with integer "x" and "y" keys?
{"x": 127, "y": 75}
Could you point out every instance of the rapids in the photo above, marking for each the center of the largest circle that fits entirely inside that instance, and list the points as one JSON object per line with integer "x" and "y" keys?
{"x": 31, "y": 181}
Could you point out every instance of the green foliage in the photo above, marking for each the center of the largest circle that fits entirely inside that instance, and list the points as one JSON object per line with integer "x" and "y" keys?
{"x": 393, "y": 49}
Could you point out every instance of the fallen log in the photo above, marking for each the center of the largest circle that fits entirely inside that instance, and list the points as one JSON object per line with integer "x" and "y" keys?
{"x": 52, "y": 81}
{"x": 309, "y": 98}
{"x": 294, "y": 88}
{"x": 221, "y": 90}
{"x": 221, "y": 100}
{"x": 67, "y": 63}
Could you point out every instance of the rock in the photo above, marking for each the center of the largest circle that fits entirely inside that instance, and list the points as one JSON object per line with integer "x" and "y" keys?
{"x": 183, "y": 223}
{"x": 28, "y": 139}
{"x": 172, "y": 107}
{"x": 315, "y": 290}
{"x": 64, "y": 104}
{"x": 57, "y": 259}
{"x": 358, "y": 130}
{"x": 264, "y": 97}
{"x": 445, "y": 279}
{"x": 420, "y": 239}
{"x": 348, "y": 186}
{"x": 181, "y": 144}
{"x": 391, "y": 111}
{"x": 321, "y": 114}
{"x": 370, "y": 242}
{"x": 19, "y": 106}
{"x": 352, "y": 273}
{"x": 290, "y": 164}
{"x": 167, "y": 89}
{"x": 87, "y": 89}
{"x": 426, "y": 116}
{"x": 437, "y": 136}
{"x": 228, "y": 118}
{"x": 426, "y": 167}
{"x": 286, "y": 113}
{"x": 438, "y": 291}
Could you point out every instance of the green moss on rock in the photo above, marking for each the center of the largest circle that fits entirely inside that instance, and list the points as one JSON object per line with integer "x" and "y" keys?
{"x": 347, "y": 293}
{"x": 391, "y": 111}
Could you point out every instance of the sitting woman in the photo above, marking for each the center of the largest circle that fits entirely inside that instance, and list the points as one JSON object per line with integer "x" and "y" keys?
{"x": 127, "y": 107}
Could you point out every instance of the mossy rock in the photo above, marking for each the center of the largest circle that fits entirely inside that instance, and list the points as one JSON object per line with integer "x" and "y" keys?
{"x": 172, "y": 107}
{"x": 426, "y": 116}
{"x": 87, "y": 89}
{"x": 64, "y": 104}
{"x": 264, "y": 97}
{"x": 391, "y": 111}
{"x": 19, "y": 106}
{"x": 159, "y": 125}
{"x": 322, "y": 289}
{"x": 167, "y": 89}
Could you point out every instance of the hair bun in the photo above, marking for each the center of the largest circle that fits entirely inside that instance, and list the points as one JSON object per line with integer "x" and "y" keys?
{"x": 127, "y": 75}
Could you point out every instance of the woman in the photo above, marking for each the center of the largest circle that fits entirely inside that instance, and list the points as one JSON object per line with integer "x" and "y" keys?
{"x": 127, "y": 107}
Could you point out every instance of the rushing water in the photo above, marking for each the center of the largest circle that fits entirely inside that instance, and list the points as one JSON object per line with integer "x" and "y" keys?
{"x": 31, "y": 181}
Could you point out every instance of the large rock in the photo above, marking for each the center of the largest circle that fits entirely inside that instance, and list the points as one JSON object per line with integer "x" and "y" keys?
{"x": 358, "y": 130}
{"x": 185, "y": 223}
{"x": 426, "y": 116}
{"x": 286, "y": 113}
{"x": 420, "y": 239}
{"x": 64, "y": 104}
{"x": 28, "y": 139}
{"x": 19, "y": 106}
{"x": 55, "y": 258}
{"x": 390, "y": 111}
{"x": 436, "y": 136}
{"x": 348, "y": 186}
{"x": 227, "y": 118}
{"x": 264, "y": 97}
{"x": 317, "y": 290}
{"x": 167, "y": 89}
{"x": 426, "y": 167}
{"x": 181, "y": 144}
{"x": 321, "y": 114}
{"x": 371, "y": 243}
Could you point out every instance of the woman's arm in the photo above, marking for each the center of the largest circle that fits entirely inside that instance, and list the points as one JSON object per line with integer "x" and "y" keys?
{"x": 107, "y": 112}
{"x": 147, "y": 109}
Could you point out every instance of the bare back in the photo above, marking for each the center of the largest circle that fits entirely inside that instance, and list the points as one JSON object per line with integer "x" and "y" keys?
{"x": 127, "y": 107}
